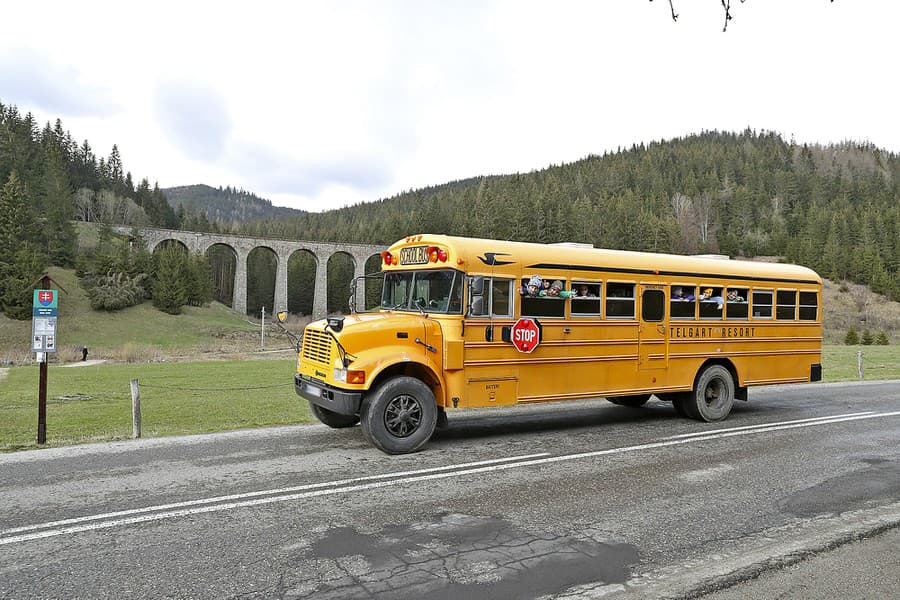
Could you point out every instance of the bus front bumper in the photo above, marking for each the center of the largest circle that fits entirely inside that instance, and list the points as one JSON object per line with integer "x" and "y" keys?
{"x": 328, "y": 397}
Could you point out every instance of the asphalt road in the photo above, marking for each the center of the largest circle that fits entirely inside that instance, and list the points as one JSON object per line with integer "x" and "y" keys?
{"x": 568, "y": 501}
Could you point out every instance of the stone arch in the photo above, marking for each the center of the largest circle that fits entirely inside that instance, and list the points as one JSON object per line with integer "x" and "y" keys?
{"x": 341, "y": 269}
{"x": 223, "y": 260}
{"x": 170, "y": 243}
{"x": 302, "y": 266}
{"x": 262, "y": 268}
{"x": 373, "y": 287}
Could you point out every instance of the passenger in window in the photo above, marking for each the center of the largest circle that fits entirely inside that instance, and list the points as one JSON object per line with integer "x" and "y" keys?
{"x": 733, "y": 296}
{"x": 678, "y": 295}
{"x": 707, "y": 296}
{"x": 585, "y": 292}
{"x": 534, "y": 287}
{"x": 556, "y": 290}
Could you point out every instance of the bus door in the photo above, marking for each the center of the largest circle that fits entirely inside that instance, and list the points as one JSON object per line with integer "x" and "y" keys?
{"x": 653, "y": 339}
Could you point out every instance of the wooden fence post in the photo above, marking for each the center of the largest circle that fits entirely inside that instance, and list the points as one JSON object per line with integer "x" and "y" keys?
{"x": 859, "y": 363}
{"x": 135, "y": 409}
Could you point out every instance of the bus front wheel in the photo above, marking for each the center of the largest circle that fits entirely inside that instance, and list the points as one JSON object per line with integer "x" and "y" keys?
{"x": 399, "y": 416}
{"x": 331, "y": 418}
{"x": 713, "y": 395}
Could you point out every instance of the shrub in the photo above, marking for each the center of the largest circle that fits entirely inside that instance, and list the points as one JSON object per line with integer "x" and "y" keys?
{"x": 852, "y": 338}
{"x": 867, "y": 338}
{"x": 882, "y": 339}
{"x": 115, "y": 291}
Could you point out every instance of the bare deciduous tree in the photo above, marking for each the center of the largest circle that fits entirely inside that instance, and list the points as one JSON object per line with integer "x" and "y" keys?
{"x": 726, "y": 6}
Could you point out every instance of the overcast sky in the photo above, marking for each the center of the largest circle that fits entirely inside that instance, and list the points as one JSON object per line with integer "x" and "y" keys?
{"x": 317, "y": 105}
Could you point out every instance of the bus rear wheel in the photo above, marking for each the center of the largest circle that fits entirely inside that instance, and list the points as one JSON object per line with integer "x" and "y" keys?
{"x": 713, "y": 396}
{"x": 331, "y": 418}
{"x": 633, "y": 401}
{"x": 399, "y": 416}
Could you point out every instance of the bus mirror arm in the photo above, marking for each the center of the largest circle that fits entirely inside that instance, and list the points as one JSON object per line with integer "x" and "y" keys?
{"x": 296, "y": 339}
{"x": 428, "y": 347}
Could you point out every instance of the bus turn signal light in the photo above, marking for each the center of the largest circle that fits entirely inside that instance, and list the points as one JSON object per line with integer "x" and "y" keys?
{"x": 356, "y": 376}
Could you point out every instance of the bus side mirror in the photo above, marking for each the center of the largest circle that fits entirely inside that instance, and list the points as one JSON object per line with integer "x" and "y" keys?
{"x": 477, "y": 286}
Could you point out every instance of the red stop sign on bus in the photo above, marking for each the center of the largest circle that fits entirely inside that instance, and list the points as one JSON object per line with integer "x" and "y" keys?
{"x": 525, "y": 335}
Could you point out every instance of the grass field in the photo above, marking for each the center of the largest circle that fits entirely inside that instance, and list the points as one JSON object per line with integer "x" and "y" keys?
{"x": 93, "y": 403}
{"x": 879, "y": 362}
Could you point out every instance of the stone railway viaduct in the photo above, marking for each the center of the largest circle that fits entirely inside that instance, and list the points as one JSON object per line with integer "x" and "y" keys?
{"x": 196, "y": 241}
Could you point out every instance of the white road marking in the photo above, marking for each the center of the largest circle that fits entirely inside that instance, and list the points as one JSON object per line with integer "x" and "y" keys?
{"x": 704, "y": 433}
{"x": 340, "y": 487}
{"x": 311, "y": 486}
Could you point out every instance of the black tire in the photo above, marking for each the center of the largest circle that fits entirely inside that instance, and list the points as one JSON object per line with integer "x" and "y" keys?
{"x": 679, "y": 400}
{"x": 632, "y": 401}
{"x": 333, "y": 419}
{"x": 713, "y": 396}
{"x": 399, "y": 416}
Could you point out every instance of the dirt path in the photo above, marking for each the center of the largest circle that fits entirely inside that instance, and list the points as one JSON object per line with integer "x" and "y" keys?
{"x": 84, "y": 363}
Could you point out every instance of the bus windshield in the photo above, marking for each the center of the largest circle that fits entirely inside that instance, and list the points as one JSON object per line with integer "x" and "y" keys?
{"x": 430, "y": 291}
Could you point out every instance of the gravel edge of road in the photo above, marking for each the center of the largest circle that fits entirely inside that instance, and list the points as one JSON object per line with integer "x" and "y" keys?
{"x": 767, "y": 551}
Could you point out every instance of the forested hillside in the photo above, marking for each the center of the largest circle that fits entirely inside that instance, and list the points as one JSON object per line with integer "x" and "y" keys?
{"x": 833, "y": 208}
{"x": 224, "y": 206}
{"x": 47, "y": 180}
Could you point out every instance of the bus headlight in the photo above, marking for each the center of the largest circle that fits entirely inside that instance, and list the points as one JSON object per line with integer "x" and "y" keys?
{"x": 349, "y": 376}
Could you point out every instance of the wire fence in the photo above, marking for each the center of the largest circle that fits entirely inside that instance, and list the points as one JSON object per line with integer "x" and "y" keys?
{"x": 216, "y": 389}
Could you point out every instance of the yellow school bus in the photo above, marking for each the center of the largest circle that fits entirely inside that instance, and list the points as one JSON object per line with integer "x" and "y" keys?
{"x": 467, "y": 323}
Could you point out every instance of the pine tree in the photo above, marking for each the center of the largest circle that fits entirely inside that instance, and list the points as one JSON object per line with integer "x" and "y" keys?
{"x": 852, "y": 337}
{"x": 17, "y": 222}
{"x": 16, "y": 279}
{"x": 882, "y": 339}
{"x": 59, "y": 234}
{"x": 198, "y": 284}
{"x": 867, "y": 339}
{"x": 169, "y": 290}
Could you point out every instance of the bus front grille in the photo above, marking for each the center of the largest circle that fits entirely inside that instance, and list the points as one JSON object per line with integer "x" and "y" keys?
{"x": 317, "y": 347}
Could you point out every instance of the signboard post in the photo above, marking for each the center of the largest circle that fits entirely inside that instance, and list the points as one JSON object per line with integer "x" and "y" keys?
{"x": 43, "y": 342}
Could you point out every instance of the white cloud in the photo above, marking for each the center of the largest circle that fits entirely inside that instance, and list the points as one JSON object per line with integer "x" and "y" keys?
{"x": 318, "y": 105}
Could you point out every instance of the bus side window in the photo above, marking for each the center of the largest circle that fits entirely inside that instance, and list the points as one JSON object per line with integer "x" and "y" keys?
{"x": 490, "y": 297}
{"x": 786, "y": 305}
{"x": 762, "y": 304}
{"x": 620, "y": 300}
{"x": 711, "y": 302}
{"x": 736, "y": 306}
{"x": 683, "y": 301}
{"x": 501, "y": 292}
{"x": 586, "y": 299}
{"x": 809, "y": 306}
